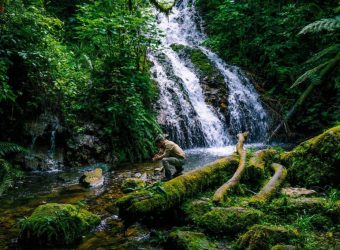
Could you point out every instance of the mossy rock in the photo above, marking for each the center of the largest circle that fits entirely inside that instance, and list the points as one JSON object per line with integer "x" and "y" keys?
{"x": 212, "y": 81}
{"x": 92, "y": 178}
{"x": 132, "y": 184}
{"x": 315, "y": 162}
{"x": 56, "y": 225}
{"x": 161, "y": 197}
{"x": 164, "y": 5}
{"x": 263, "y": 237}
{"x": 283, "y": 247}
{"x": 188, "y": 240}
{"x": 231, "y": 220}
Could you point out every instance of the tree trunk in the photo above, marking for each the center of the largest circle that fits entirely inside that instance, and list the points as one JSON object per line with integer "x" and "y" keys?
{"x": 223, "y": 190}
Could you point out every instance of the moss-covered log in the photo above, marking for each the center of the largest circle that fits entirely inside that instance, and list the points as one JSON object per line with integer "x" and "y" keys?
{"x": 159, "y": 198}
{"x": 223, "y": 190}
{"x": 315, "y": 162}
{"x": 273, "y": 185}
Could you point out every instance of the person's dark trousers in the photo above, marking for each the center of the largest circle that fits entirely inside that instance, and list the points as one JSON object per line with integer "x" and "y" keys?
{"x": 172, "y": 161}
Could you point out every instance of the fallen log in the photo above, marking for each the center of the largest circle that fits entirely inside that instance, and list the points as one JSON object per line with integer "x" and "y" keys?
{"x": 272, "y": 186}
{"x": 162, "y": 196}
{"x": 223, "y": 190}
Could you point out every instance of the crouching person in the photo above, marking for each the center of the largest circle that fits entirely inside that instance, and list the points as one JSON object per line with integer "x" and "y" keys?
{"x": 170, "y": 154}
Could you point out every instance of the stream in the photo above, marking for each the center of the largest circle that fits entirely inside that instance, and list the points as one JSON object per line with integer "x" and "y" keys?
{"x": 62, "y": 186}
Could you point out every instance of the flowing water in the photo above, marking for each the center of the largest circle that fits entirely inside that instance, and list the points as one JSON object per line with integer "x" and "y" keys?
{"x": 180, "y": 85}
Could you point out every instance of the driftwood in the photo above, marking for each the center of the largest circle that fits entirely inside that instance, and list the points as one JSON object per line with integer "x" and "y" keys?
{"x": 235, "y": 179}
{"x": 273, "y": 185}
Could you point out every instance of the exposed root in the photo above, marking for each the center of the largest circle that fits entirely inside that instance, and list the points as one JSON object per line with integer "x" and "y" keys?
{"x": 222, "y": 191}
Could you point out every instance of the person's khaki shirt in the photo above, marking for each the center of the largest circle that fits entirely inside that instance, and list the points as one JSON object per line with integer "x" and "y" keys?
{"x": 171, "y": 149}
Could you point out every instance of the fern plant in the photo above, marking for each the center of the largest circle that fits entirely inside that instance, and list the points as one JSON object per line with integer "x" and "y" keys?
{"x": 8, "y": 148}
{"x": 329, "y": 24}
{"x": 7, "y": 172}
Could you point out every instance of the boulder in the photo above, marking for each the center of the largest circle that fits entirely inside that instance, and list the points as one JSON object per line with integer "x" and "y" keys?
{"x": 92, "y": 178}
{"x": 132, "y": 184}
{"x": 88, "y": 147}
{"x": 297, "y": 192}
{"x": 188, "y": 240}
{"x": 263, "y": 237}
{"x": 231, "y": 220}
{"x": 315, "y": 162}
{"x": 56, "y": 225}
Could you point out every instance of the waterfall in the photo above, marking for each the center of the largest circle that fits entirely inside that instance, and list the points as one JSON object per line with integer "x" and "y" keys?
{"x": 182, "y": 107}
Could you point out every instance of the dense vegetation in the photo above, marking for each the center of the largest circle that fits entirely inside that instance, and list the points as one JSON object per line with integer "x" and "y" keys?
{"x": 86, "y": 62}
{"x": 263, "y": 38}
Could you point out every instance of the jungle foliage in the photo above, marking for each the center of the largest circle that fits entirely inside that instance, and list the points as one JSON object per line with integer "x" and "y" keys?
{"x": 86, "y": 62}
{"x": 282, "y": 42}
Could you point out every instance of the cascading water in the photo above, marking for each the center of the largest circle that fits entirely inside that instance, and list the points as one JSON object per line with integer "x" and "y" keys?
{"x": 183, "y": 111}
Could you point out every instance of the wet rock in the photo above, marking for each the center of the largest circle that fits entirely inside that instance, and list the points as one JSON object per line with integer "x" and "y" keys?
{"x": 138, "y": 175}
{"x": 132, "y": 184}
{"x": 56, "y": 225}
{"x": 231, "y": 220}
{"x": 88, "y": 147}
{"x": 40, "y": 162}
{"x": 92, "y": 178}
{"x": 102, "y": 166}
{"x": 265, "y": 236}
{"x": 211, "y": 80}
{"x": 188, "y": 240}
{"x": 297, "y": 192}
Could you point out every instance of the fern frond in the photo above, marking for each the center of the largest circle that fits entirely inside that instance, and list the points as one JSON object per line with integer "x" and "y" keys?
{"x": 5, "y": 174}
{"x": 329, "y": 51}
{"x": 309, "y": 74}
{"x": 8, "y": 147}
{"x": 329, "y": 24}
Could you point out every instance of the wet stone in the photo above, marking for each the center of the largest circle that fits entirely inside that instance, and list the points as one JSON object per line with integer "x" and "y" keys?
{"x": 92, "y": 178}
{"x": 297, "y": 192}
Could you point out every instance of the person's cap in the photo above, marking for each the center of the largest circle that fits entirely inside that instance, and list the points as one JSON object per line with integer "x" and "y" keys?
{"x": 160, "y": 138}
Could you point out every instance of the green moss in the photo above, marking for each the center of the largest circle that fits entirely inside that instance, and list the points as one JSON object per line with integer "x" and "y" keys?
{"x": 132, "y": 184}
{"x": 315, "y": 162}
{"x": 195, "y": 209}
{"x": 56, "y": 224}
{"x": 187, "y": 240}
{"x": 166, "y": 195}
{"x": 283, "y": 247}
{"x": 263, "y": 237}
{"x": 230, "y": 220}
{"x": 201, "y": 62}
